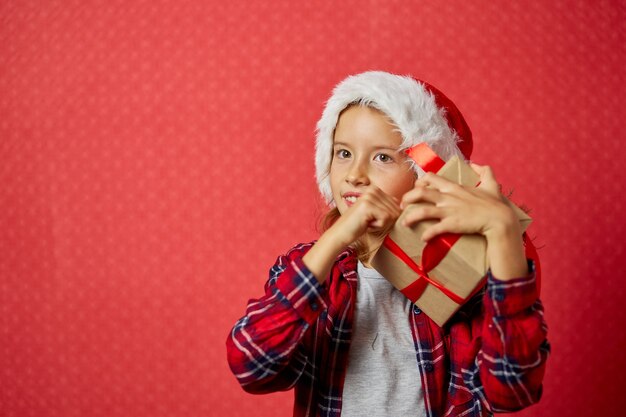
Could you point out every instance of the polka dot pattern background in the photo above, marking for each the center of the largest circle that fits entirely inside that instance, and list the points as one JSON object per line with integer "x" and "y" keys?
{"x": 156, "y": 156}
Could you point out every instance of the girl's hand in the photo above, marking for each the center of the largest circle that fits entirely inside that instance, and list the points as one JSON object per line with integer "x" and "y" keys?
{"x": 374, "y": 213}
{"x": 468, "y": 210}
{"x": 460, "y": 209}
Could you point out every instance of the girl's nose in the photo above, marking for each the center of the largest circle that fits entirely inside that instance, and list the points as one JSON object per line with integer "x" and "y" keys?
{"x": 357, "y": 175}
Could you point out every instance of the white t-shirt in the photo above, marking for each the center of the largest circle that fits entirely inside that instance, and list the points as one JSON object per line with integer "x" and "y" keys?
{"x": 382, "y": 378}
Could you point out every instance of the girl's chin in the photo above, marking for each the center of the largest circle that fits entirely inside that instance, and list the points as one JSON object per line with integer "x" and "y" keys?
{"x": 342, "y": 207}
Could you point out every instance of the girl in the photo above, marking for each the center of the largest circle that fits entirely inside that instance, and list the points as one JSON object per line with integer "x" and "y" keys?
{"x": 343, "y": 337}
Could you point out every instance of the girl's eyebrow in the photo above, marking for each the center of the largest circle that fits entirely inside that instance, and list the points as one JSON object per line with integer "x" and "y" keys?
{"x": 374, "y": 147}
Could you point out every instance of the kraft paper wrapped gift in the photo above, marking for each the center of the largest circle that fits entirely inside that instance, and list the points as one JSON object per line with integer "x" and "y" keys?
{"x": 440, "y": 275}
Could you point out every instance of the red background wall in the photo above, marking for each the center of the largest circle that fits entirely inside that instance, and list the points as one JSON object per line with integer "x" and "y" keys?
{"x": 156, "y": 156}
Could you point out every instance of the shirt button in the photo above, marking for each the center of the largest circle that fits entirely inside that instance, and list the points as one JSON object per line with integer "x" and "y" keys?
{"x": 314, "y": 306}
{"x": 498, "y": 296}
{"x": 416, "y": 309}
{"x": 428, "y": 367}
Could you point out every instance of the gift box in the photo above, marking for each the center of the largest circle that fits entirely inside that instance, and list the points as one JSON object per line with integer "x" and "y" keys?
{"x": 439, "y": 275}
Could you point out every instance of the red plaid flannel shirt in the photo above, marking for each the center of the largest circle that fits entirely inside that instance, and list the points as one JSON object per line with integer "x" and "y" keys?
{"x": 489, "y": 358}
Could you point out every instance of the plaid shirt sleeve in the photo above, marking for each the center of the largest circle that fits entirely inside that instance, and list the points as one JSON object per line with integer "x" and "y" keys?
{"x": 265, "y": 349}
{"x": 508, "y": 370}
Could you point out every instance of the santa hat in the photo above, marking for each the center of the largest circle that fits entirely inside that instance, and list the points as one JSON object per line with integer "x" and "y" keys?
{"x": 420, "y": 112}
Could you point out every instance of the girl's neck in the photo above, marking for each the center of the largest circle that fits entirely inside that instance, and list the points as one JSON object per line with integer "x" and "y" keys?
{"x": 371, "y": 243}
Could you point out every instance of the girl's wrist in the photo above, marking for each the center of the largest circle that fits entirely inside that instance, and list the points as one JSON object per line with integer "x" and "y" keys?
{"x": 505, "y": 251}
{"x": 505, "y": 247}
{"x": 322, "y": 255}
{"x": 336, "y": 236}
{"x": 333, "y": 241}
{"x": 504, "y": 225}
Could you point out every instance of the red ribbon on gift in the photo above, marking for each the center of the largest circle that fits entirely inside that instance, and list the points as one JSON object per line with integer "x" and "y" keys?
{"x": 417, "y": 287}
{"x": 436, "y": 249}
{"x": 425, "y": 157}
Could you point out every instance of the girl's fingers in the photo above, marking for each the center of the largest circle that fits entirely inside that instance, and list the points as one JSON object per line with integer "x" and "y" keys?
{"x": 379, "y": 209}
{"x": 422, "y": 212}
{"x": 379, "y": 204}
{"x": 381, "y": 218}
{"x": 433, "y": 180}
{"x": 437, "y": 182}
{"x": 420, "y": 194}
{"x": 387, "y": 202}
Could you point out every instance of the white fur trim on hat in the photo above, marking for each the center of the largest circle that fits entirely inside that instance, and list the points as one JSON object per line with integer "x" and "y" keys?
{"x": 404, "y": 100}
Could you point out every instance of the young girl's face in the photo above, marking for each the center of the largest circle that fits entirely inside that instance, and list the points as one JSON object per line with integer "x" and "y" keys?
{"x": 365, "y": 153}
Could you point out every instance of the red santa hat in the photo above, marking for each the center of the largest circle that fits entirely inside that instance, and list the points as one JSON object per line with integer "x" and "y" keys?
{"x": 420, "y": 112}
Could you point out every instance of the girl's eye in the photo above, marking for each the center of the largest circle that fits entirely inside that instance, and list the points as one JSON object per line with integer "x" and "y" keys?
{"x": 383, "y": 158}
{"x": 342, "y": 153}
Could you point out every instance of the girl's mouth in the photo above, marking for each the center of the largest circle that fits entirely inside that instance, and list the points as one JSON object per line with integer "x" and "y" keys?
{"x": 350, "y": 198}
